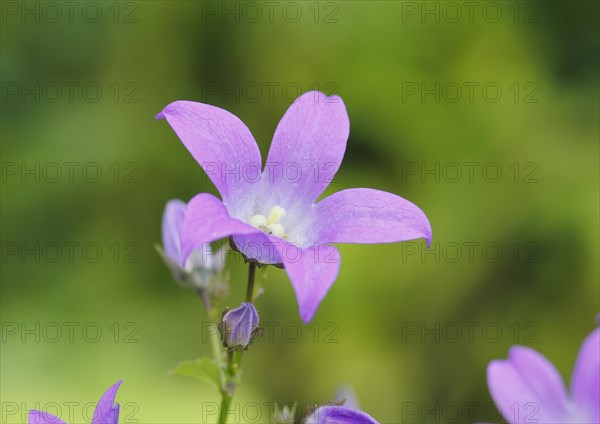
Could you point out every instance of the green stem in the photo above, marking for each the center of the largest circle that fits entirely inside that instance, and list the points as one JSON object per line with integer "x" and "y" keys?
{"x": 215, "y": 342}
{"x": 250, "y": 289}
{"x": 228, "y": 388}
{"x": 225, "y": 401}
{"x": 231, "y": 368}
{"x": 230, "y": 379}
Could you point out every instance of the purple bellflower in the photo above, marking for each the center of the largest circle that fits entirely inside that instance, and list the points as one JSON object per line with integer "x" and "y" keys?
{"x": 270, "y": 212}
{"x": 528, "y": 388}
{"x": 345, "y": 410}
{"x": 106, "y": 412}
{"x": 200, "y": 265}
{"x": 335, "y": 414}
{"x": 239, "y": 326}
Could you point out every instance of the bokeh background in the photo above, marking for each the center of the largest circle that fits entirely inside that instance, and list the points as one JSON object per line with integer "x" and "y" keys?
{"x": 514, "y": 258}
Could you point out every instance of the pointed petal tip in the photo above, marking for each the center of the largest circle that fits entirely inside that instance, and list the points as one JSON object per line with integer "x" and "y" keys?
{"x": 493, "y": 367}
{"x": 319, "y": 95}
{"x": 427, "y": 230}
{"x": 307, "y": 317}
{"x": 176, "y": 203}
{"x": 428, "y": 238}
{"x": 107, "y": 411}
{"x": 163, "y": 113}
{"x": 311, "y": 273}
{"x": 516, "y": 351}
{"x": 108, "y": 398}
{"x": 166, "y": 110}
{"x": 171, "y": 109}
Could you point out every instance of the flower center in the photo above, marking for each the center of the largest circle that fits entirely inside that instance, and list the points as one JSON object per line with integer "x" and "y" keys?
{"x": 270, "y": 224}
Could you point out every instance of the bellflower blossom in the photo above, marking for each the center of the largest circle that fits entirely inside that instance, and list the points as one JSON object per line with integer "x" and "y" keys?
{"x": 106, "y": 412}
{"x": 200, "y": 265}
{"x": 335, "y": 414}
{"x": 345, "y": 410}
{"x": 528, "y": 388}
{"x": 271, "y": 213}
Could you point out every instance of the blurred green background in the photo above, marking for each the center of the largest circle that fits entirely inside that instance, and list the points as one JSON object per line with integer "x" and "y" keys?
{"x": 81, "y": 84}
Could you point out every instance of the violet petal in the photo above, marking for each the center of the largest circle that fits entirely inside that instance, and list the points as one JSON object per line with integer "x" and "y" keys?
{"x": 307, "y": 149}
{"x": 334, "y": 414}
{"x": 259, "y": 247}
{"x": 107, "y": 412}
{"x": 171, "y": 224}
{"x": 220, "y": 143}
{"x": 312, "y": 271}
{"x": 363, "y": 215}
{"x": 585, "y": 383}
{"x": 527, "y": 386}
{"x": 206, "y": 220}
{"x": 41, "y": 417}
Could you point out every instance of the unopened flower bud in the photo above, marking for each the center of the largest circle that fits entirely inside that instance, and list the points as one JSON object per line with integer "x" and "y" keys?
{"x": 239, "y": 326}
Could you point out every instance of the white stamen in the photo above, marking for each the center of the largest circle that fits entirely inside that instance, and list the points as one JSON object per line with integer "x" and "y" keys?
{"x": 270, "y": 224}
{"x": 276, "y": 229}
{"x": 258, "y": 221}
{"x": 275, "y": 214}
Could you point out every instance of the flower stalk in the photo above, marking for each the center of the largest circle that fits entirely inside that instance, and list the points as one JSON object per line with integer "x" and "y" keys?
{"x": 250, "y": 288}
{"x": 234, "y": 354}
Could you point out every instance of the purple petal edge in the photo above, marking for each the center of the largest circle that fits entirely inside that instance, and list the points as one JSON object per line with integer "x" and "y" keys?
{"x": 206, "y": 220}
{"x": 311, "y": 136}
{"x": 585, "y": 382}
{"x": 41, "y": 417}
{"x": 331, "y": 414}
{"x": 171, "y": 224}
{"x": 527, "y": 377}
{"x": 219, "y": 141}
{"x": 106, "y": 411}
{"x": 312, "y": 272}
{"x": 364, "y": 215}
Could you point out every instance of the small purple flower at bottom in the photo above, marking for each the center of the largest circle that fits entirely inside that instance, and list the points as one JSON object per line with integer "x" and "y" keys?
{"x": 528, "y": 388}
{"x": 239, "y": 326}
{"x": 335, "y": 414}
{"x": 106, "y": 412}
